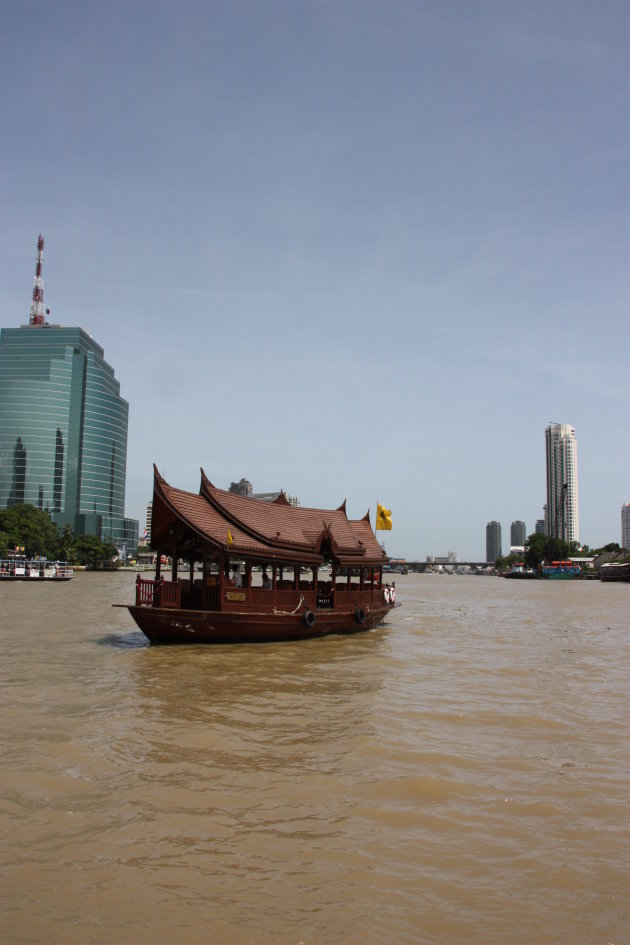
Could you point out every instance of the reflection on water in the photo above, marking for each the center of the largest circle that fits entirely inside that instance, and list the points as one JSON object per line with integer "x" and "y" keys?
{"x": 459, "y": 775}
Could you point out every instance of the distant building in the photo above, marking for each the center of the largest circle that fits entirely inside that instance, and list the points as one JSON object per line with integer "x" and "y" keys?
{"x": 518, "y": 534}
{"x": 272, "y": 496}
{"x": 541, "y": 526}
{"x": 562, "y": 482}
{"x": 244, "y": 487}
{"x": 147, "y": 524}
{"x": 63, "y": 431}
{"x": 450, "y": 558}
{"x": 493, "y": 542}
{"x": 625, "y": 525}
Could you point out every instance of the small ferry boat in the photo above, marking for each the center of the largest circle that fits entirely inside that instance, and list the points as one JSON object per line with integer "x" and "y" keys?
{"x": 561, "y": 570}
{"x": 269, "y": 570}
{"x": 24, "y": 569}
{"x": 520, "y": 572}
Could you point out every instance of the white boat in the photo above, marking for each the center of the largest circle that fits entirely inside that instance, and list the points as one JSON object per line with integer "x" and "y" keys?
{"x": 36, "y": 569}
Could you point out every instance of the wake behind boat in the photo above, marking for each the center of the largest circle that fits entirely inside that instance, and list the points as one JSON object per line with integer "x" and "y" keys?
{"x": 269, "y": 571}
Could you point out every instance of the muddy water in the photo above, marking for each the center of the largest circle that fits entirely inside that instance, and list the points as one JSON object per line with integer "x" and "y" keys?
{"x": 457, "y": 776}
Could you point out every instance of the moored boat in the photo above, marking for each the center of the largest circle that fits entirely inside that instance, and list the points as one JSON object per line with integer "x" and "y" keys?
{"x": 520, "y": 572}
{"x": 561, "y": 570}
{"x": 613, "y": 571}
{"x": 269, "y": 570}
{"x": 24, "y": 569}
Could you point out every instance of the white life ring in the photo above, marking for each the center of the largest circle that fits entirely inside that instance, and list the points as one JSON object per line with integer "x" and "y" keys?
{"x": 392, "y": 595}
{"x": 386, "y": 595}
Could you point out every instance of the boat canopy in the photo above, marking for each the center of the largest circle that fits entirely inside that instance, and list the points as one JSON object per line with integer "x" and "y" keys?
{"x": 217, "y": 523}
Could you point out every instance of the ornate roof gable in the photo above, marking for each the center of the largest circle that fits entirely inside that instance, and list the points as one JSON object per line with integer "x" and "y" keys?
{"x": 250, "y": 527}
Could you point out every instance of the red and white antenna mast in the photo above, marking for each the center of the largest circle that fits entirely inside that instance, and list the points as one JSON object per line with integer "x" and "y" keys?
{"x": 38, "y": 315}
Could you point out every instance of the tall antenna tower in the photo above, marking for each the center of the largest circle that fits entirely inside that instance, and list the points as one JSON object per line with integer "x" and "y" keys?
{"x": 38, "y": 315}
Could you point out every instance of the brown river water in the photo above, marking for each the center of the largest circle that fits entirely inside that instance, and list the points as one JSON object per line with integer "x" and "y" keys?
{"x": 460, "y": 776}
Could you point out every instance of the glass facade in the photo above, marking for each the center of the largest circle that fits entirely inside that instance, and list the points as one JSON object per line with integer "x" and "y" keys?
{"x": 63, "y": 431}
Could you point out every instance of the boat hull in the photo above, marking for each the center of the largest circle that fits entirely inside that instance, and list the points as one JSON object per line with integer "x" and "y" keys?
{"x": 615, "y": 572}
{"x": 170, "y": 627}
{"x": 561, "y": 575}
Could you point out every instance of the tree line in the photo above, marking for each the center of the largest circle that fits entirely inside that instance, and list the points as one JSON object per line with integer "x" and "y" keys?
{"x": 29, "y": 528}
{"x": 540, "y": 549}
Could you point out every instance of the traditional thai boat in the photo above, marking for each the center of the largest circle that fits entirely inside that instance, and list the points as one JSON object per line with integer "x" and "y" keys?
{"x": 257, "y": 571}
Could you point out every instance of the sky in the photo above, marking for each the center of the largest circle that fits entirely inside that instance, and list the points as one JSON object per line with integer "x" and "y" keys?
{"x": 352, "y": 249}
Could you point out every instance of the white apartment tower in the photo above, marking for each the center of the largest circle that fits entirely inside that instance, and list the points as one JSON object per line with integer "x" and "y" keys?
{"x": 625, "y": 526}
{"x": 562, "y": 482}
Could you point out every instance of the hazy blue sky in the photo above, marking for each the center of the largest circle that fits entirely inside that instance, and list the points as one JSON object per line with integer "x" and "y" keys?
{"x": 357, "y": 248}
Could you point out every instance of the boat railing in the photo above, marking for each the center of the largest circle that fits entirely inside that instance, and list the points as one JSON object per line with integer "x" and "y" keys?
{"x": 158, "y": 593}
{"x": 179, "y": 593}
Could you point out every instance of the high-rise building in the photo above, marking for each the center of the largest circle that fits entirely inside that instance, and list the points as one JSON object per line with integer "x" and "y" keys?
{"x": 147, "y": 524}
{"x": 625, "y": 525}
{"x": 493, "y": 542}
{"x": 562, "y": 482}
{"x": 517, "y": 534}
{"x": 244, "y": 487}
{"x": 541, "y": 526}
{"x": 63, "y": 431}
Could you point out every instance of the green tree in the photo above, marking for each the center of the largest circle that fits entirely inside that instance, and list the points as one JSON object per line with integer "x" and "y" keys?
{"x": 504, "y": 563}
{"x": 28, "y": 526}
{"x": 540, "y": 548}
{"x": 87, "y": 549}
{"x": 65, "y": 545}
{"x": 109, "y": 550}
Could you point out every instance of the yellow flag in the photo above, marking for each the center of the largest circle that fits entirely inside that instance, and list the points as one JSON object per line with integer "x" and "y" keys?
{"x": 230, "y": 540}
{"x": 383, "y": 518}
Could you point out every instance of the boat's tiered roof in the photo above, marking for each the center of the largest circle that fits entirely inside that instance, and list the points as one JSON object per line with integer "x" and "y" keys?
{"x": 223, "y": 521}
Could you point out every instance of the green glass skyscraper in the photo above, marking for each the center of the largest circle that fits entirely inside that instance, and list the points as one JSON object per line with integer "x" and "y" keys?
{"x": 63, "y": 431}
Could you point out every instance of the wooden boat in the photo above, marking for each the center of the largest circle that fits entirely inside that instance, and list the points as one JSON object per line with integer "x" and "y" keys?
{"x": 23, "y": 569}
{"x": 269, "y": 571}
{"x": 615, "y": 571}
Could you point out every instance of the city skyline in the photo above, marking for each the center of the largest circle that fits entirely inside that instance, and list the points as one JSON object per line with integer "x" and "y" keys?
{"x": 350, "y": 251}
